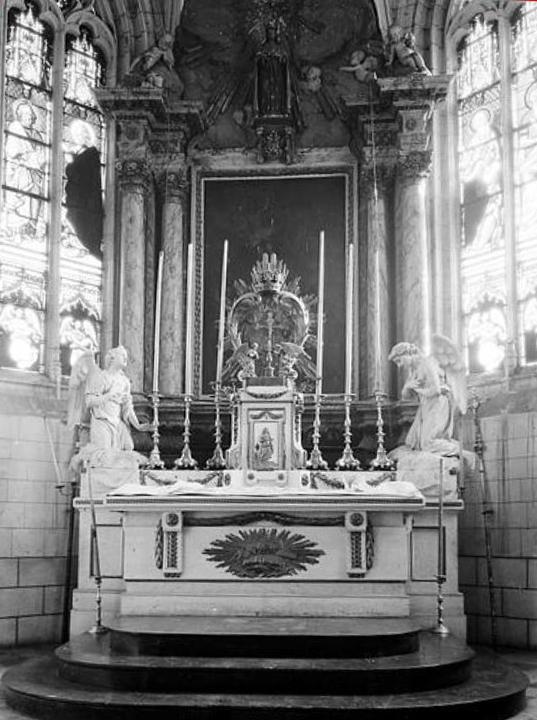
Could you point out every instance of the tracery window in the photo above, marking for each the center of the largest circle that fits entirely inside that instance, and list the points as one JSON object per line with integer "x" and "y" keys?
{"x": 51, "y": 205}
{"x": 497, "y": 130}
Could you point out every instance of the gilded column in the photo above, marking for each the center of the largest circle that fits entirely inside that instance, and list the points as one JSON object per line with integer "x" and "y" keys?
{"x": 413, "y": 277}
{"x": 172, "y": 186}
{"x": 134, "y": 182}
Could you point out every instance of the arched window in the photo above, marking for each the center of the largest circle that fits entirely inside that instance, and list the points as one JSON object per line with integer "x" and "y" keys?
{"x": 51, "y": 216}
{"x": 497, "y": 151}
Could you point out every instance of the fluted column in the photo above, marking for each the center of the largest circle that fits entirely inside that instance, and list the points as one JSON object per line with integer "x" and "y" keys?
{"x": 134, "y": 182}
{"x": 413, "y": 278}
{"x": 172, "y": 187}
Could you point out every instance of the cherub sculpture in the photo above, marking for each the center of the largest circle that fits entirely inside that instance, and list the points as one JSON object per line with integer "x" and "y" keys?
{"x": 362, "y": 66}
{"x": 402, "y": 55}
{"x": 293, "y": 357}
{"x": 155, "y": 66}
{"x": 242, "y": 363}
{"x": 102, "y": 400}
{"x": 439, "y": 382}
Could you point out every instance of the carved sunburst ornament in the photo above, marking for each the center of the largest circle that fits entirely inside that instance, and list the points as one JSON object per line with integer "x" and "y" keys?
{"x": 264, "y": 553}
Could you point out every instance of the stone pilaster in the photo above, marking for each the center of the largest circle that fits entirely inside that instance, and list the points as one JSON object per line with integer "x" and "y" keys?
{"x": 172, "y": 185}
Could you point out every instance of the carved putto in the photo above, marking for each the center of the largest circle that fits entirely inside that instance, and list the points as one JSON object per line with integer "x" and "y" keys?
{"x": 402, "y": 57}
{"x": 155, "y": 67}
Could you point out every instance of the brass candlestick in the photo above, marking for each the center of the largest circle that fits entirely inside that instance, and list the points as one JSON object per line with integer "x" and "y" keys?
{"x": 347, "y": 461}
{"x": 155, "y": 461}
{"x": 217, "y": 461}
{"x": 316, "y": 460}
{"x": 186, "y": 461}
{"x": 381, "y": 461}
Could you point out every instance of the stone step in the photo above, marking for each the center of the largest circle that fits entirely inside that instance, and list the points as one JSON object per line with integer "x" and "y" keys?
{"x": 439, "y": 662}
{"x": 276, "y": 637}
{"x": 495, "y": 691}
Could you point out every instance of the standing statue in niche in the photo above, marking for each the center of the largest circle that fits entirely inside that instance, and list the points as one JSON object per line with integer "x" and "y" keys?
{"x": 272, "y": 74}
{"x": 402, "y": 56}
{"x": 439, "y": 383}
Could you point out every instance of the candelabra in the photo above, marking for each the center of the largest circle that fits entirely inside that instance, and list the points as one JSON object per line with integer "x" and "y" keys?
{"x": 347, "y": 461}
{"x": 316, "y": 460}
{"x": 217, "y": 461}
{"x": 440, "y": 627}
{"x": 186, "y": 461}
{"x": 98, "y": 628}
{"x": 381, "y": 461}
{"x": 155, "y": 461}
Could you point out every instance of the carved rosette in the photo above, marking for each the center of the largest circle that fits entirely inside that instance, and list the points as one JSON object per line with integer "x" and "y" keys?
{"x": 414, "y": 166}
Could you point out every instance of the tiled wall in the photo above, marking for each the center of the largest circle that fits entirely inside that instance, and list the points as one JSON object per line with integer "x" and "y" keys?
{"x": 33, "y": 516}
{"x": 511, "y": 470}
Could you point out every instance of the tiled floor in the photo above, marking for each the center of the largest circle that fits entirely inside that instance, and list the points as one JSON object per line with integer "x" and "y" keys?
{"x": 525, "y": 660}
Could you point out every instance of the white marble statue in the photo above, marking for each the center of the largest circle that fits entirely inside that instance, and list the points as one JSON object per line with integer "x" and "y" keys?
{"x": 102, "y": 399}
{"x": 438, "y": 381}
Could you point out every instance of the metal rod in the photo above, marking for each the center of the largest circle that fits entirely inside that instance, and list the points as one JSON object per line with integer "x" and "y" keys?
{"x": 186, "y": 461}
{"x": 347, "y": 461}
{"x": 381, "y": 461}
{"x": 487, "y": 512}
{"x": 440, "y": 627}
{"x": 217, "y": 461}
{"x": 98, "y": 628}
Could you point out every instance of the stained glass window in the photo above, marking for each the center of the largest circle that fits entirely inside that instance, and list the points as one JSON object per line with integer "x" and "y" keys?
{"x": 82, "y": 212}
{"x": 27, "y": 208}
{"x": 525, "y": 180}
{"x": 25, "y": 202}
{"x": 480, "y": 167}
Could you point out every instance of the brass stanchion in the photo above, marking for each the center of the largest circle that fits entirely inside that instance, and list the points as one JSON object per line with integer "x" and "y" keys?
{"x": 440, "y": 627}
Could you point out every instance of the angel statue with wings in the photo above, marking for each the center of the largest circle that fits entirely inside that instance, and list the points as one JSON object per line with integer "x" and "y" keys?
{"x": 438, "y": 381}
{"x": 102, "y": 399}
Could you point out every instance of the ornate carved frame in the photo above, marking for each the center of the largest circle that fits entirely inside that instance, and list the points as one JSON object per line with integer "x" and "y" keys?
{"x": 234, "y": 165}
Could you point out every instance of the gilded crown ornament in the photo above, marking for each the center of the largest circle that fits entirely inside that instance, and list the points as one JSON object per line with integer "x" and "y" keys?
{"x": 269, "y": 274}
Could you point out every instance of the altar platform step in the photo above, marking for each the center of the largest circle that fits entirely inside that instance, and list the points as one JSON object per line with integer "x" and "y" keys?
{"x": 494, "y": 691}
{"x": 439, "y": 662}
{"x": 264, "y": 637}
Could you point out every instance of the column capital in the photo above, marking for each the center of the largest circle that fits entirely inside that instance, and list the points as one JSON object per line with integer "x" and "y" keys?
{"x": 414, "y": 166}
{"x": 384, "y": 173}
{"x": 134, "y": 174}
{"x": 172, "y": 183}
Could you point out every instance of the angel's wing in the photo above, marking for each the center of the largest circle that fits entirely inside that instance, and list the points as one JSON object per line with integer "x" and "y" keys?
{"x": 235, "y": 363}
{"x": 449, "y": 358}
{"x": 83, "y": 368}
{"x": 303, "y": 362}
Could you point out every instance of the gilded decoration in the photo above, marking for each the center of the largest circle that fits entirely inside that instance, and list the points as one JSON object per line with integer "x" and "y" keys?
{"x": 264, "y": 553}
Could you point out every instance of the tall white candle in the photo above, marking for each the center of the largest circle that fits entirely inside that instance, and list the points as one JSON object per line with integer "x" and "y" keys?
{"x": 189, "y": 349}
{"x": 158, "y": 306}
{"x": 320, "y": 317}
{"x": 348, "y": 320}
{"x": 222, "y": 318}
